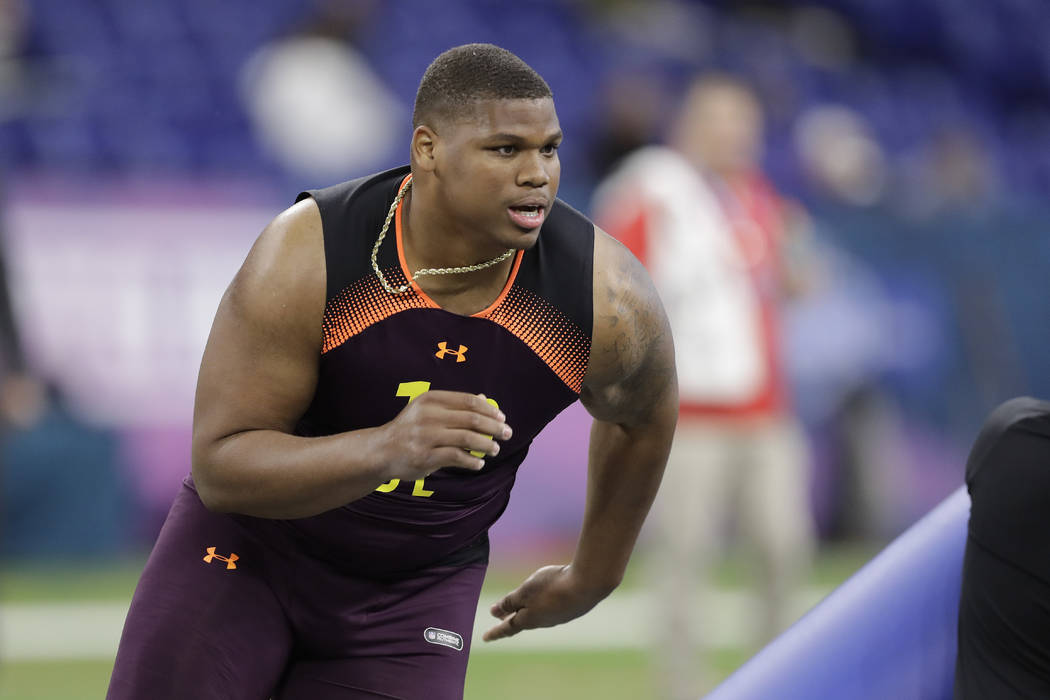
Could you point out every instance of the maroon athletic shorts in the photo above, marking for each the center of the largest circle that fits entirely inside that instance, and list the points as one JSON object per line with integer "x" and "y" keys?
{"x": 221, "y": 614}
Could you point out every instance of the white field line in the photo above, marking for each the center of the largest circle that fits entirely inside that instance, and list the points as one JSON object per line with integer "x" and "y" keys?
{"x": 82, "y": 630}
{"x": 34, "y": 631}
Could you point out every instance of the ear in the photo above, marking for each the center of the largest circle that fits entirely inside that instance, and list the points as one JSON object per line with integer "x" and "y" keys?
{"x": 424, "y": 148}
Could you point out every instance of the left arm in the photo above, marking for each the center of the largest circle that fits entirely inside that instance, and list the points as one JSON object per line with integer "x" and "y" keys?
{"x": 631, "y": 390}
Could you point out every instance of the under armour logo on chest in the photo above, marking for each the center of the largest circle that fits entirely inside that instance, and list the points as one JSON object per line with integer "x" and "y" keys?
{"x": 461, "y": 354}
{"x": 229, "y": 560}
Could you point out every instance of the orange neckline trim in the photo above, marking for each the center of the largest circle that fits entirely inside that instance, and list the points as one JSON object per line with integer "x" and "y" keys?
{"x": 423, "y": 295}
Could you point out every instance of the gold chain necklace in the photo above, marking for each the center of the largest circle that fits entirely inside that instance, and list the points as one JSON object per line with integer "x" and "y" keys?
{"x": 429, "y": 270}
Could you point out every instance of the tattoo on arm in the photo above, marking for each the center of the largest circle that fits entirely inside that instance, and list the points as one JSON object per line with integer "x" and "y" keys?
{"x": 634, "y": 354}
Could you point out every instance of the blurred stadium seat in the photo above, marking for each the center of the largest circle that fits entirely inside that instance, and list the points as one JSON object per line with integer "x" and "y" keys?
{"x": 919, "y": 64}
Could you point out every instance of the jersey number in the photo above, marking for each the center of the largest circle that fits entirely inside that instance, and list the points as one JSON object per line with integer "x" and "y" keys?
{"x": 412, "y": 390}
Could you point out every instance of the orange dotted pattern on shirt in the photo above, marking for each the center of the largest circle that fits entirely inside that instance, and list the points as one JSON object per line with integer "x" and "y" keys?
{"x": 554, "y": 338}
{"x": 536, "y": 322}
{"x": 362, "y": 304}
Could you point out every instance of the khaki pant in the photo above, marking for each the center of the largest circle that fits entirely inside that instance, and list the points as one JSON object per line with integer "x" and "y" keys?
{"x": 752, "y": 475}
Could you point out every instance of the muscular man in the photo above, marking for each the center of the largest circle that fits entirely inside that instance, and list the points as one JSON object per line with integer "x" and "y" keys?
{"x": 374, "y": 377}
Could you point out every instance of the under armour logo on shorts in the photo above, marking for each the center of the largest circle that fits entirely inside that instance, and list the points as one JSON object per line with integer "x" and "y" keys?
{"x": 229, "y": 560}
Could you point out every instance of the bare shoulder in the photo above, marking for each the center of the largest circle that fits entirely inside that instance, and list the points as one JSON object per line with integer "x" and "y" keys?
{"x": 292, "y": 244}
{"x": 259, "y": 366}
{"x": 632, "y": 366}
{"x": 283, "y": 276}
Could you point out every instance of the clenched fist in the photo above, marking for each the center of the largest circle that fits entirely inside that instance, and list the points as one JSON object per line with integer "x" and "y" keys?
{"x": 441, "y": 429}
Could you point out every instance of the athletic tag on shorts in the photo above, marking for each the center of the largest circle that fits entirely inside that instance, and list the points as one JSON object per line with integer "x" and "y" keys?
{"x": 443, "y": 638}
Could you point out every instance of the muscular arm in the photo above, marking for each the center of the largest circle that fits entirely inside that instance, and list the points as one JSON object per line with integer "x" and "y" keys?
{"x": 259, "y": 374}
{"x": 631, "y": 390}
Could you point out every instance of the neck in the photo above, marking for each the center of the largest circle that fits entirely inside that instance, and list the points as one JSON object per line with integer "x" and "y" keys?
{"x": 461, "y": 293}
{"x": 430, "y": 240}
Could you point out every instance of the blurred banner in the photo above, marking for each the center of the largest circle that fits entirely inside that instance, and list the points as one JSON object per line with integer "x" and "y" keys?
{"x": 115, "y": 295}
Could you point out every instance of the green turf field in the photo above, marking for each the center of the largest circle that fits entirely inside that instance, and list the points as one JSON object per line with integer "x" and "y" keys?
{"x": 493, "y": 673}
{"x": 611, "y": 675}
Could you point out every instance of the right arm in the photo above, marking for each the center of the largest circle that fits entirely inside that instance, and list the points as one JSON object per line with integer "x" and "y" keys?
{"x": 259, "y": 374}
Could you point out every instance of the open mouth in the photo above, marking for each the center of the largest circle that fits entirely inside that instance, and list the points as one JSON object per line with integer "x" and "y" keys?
{"x": 527, "y": 215}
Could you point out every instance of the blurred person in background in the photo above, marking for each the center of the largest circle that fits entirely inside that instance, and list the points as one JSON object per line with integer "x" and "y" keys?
{"x": 62, "y": 491}
{"x": 315, "y": 102}
{"x": 839, "y": 375}
{"x": 956, "y": 177}
{"x": 632, "y": 106}
{"x": 714, "y": 235}
{"x": 13, "y": 18}
{"x": 12, "y": 358}
{"x": 840, "y": 156}
{"x": 13, "y": 22}
{"x": 64, "y": 494}
{"x": 349, "y": 452}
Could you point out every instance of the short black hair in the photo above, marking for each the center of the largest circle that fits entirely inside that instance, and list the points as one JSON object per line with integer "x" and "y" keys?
{"x": 466, "y": 74}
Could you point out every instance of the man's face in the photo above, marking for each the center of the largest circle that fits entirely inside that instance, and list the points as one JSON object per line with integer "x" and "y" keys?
{"x": 722, "y": 129}
{"x": 498, "y": 171}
